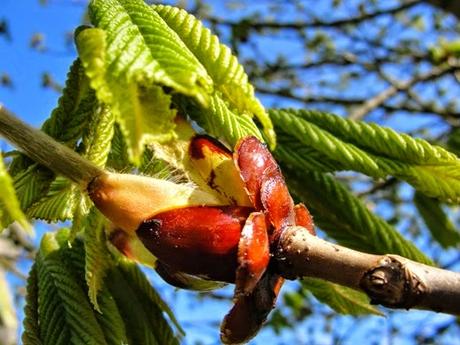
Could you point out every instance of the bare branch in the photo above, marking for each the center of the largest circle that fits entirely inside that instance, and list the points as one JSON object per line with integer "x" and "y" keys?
{"x": 259, "y": 25}
{"x": 380, "y": 98}
{"x": 390, "y": 280}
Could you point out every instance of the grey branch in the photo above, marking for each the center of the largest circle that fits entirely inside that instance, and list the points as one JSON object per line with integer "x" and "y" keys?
{"x": 389, "y": 280}
{"x": 379, "y": 99}
{"x": 45, "y": 150}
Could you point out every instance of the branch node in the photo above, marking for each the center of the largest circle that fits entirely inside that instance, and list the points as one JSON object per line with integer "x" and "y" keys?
{"x": 392, "y": 284}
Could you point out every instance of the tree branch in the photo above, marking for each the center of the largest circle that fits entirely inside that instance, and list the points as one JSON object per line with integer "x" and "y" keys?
{"x": 45, "y": 150}
{"x": 389, "y": 92}
{"x": 389, "y": 280}
{"x": 259, "y": 25}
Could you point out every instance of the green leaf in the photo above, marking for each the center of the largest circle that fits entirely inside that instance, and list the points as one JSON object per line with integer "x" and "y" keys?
{"x": 97, "y": 138}
{"x": 8, "y": 318}
{"x": 345, "y": 218}
{"x": 32, "y": 184}
{"x": 31, "y": 323}
{"x": 97, "y": 256}
{"x": 223, "y": 122}
{"x": 73, "y": 113}
{"x": 436, "y": 220}
{"x": 59, "y": 203}
{"x": 143, "y": 285}
{"x": 108, "y": 316}
{"x": 110, "y": 320}
{"x": 140, "y": 45}
{"x": 292, "y": 152}
{"x": 227, "y": 74}
{"x": 143, "y": 110}
{"x": 65, "y": 314}
{"x": 118, "y": 158}
{"x": 10, "y": 209}
{"x": 340, "y": 298}
{"x": 374, "y": 150}
{"x": 145, "y": 322}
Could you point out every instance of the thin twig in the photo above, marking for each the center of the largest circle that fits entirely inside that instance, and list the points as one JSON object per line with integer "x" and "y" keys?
{"x": 394, "y": 88}
{"x": 260, "y": 25}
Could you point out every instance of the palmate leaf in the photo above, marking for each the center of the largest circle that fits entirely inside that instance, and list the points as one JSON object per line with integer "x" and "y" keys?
{"x": 137, "y": 56}
{"x": 437, "y": 221}
{"x": 340, "y": 298}
{"x": 128, "y": 57}
{"x": 374, "y": 150}
{"x": 227, "y": 74}
{"x": 345, "y": 218}
{"x": 58, "y": 310}
{"x": 10, "y": 209}
{"x": 107, "y": 315}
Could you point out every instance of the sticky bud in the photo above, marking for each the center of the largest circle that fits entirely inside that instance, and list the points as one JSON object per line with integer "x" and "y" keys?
{"x": 127, "y": 200}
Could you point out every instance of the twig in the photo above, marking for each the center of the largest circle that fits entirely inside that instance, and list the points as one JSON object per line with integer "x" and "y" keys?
{"x": 47, "y": 151}
{"x": 390, "y": 280}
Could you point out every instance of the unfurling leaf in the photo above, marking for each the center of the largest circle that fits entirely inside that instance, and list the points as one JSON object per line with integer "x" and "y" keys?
{"x": 10, "y": 209}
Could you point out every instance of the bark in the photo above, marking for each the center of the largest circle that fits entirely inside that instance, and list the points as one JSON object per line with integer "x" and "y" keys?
{"x": 389, "y": 280}
{"x": 45, "y": 150}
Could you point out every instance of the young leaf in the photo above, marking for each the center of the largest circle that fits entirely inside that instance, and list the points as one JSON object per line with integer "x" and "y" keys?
{"x": 110, "y": 319}
{"x": 31, "y": 334}
{"x": 58, "y": 204}
{"x": 75, "y": 108}
{"x": 143, "y": 285}
{"x": 141, "y": 46}
{"x": 227, "y": 74}
{"x": 375, "y": 151}
{"x": 345, "y": 218}
{"x": 142, "y": 109}
{"x": 223, "y": 122}
{"x": 145, "y": 323}
{"x": 10, "y": 209}
{"x": 436, "y": 220}
{"x": 340, "y": 298}
{"x": 65, "y": 313}
{"x": 97, "y": 257}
